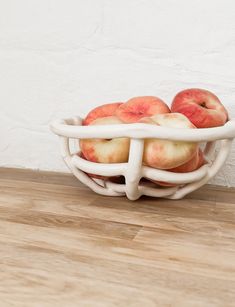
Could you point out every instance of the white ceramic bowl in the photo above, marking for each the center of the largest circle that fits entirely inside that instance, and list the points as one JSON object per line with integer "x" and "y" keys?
{"x": 134, "y": 170}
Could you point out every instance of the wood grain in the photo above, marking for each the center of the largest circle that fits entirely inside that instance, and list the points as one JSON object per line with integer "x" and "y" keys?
{"x": 63, "y": 245}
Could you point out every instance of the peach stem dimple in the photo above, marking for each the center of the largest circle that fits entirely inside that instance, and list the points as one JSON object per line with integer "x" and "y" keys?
{"x": 203, "y": 105}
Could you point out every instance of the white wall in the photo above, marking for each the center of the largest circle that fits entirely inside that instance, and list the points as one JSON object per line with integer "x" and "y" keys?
{"x": 60, "y": 58}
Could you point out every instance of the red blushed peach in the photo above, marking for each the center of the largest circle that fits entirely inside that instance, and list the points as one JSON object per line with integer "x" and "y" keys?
{"x": 106, "y": 150}
{"x": 101, "y": 111}
{"x": 165, "y": 154}
{"x": 138, "y": 107}
{"x": 193, "y": 164}
{"x": 201, "y": 107}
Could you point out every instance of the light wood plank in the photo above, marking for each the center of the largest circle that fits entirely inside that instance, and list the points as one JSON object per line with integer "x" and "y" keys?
{"x": 63, "y": 245}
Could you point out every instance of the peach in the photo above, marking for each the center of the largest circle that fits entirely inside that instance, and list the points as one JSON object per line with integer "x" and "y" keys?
{"x": 193, "y": 164}
{"x": 165, "y": 154}
{"x": 201, "y": 107}
{"x": 138, "y": 107}
{"x": 101, "y": 111}
{"x": 106, "y": 150}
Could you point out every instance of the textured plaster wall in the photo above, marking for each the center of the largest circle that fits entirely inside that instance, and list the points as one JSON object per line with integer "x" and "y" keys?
{"x": 60, "y": 58}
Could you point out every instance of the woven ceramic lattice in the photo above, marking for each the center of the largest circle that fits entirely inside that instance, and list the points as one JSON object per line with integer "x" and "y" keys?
{"x": 134, "y": 170}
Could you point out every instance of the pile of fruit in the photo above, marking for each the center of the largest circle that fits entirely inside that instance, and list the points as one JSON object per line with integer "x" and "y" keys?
{"x": 191, "y": 108}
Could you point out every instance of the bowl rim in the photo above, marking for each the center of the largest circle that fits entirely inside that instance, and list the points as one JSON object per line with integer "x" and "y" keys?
{"x": 73, "y": 128}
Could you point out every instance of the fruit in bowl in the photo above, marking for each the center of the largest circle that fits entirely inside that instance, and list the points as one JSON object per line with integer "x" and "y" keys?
{"x": 190, "y": 109}
{"x": 104, "y": 110}
{"x": 192, "y": 165}
{"x": 106, "y": 150}
{"x": 116, "y": 150}
{"x": 138, "y": 107}
{"x": 166, "y": 154}
{"x": 202, "y": 108}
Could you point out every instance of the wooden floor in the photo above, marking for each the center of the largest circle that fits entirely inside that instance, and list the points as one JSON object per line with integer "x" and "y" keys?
{"x": 63, "y": 245}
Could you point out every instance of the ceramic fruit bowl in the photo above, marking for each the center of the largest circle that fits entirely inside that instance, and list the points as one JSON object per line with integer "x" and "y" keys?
{"x": 134, "y": 171}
